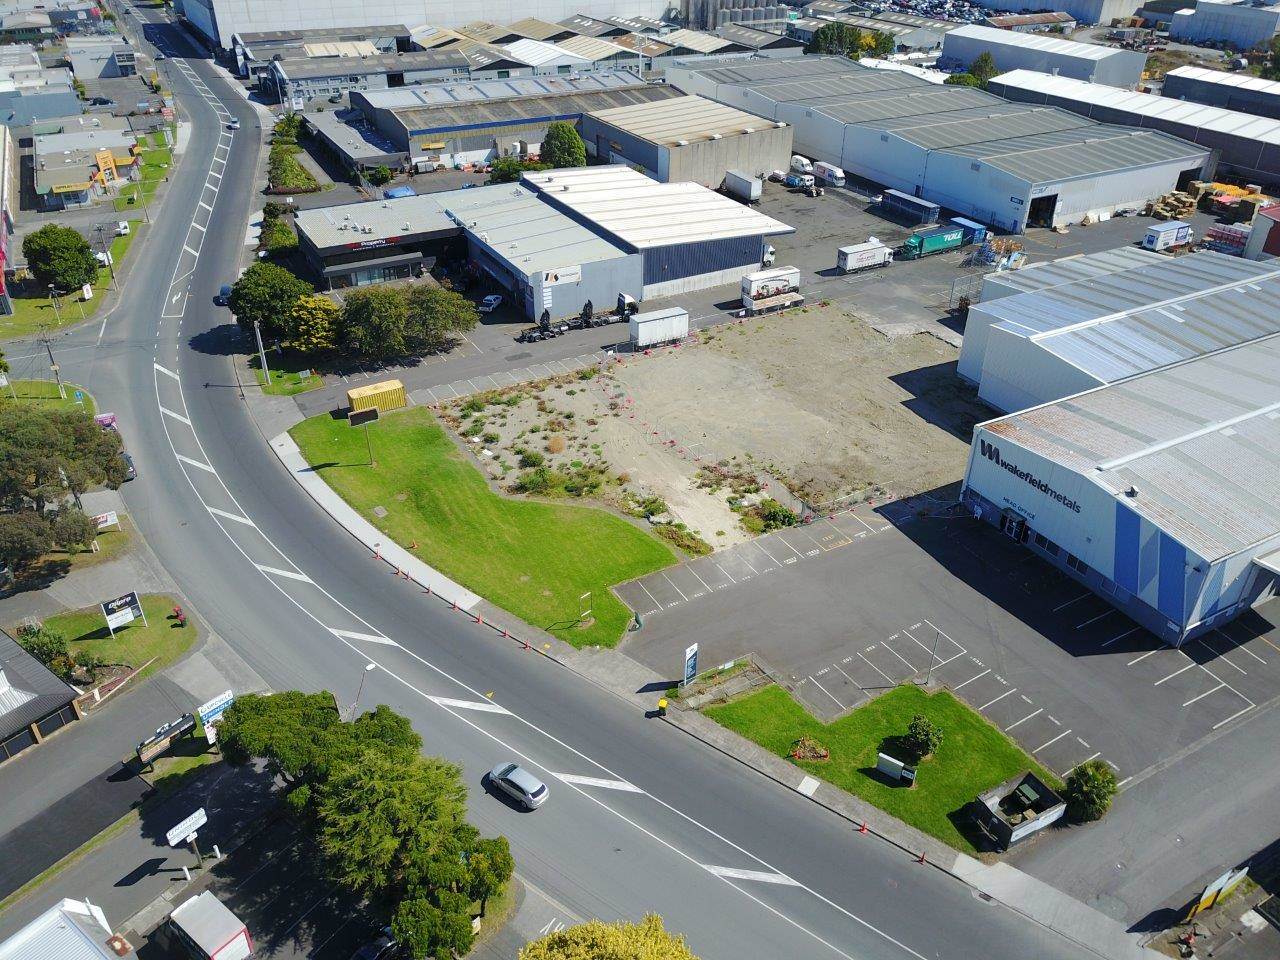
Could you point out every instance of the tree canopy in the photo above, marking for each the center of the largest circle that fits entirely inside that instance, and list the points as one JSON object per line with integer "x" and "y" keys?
{"x": 1089, "y": 790}
{"x": 266, "y": 293}
{"x": 962, "y": 80}
{"x": 381, "y": 322}
{"x": 844, "y": 40}
{"x": 562, "y": 146}
{"x": 60, "y": 256}
{"x": 313, "y": 325}
{"x": 47, "y": 454}
{"x": 597, "y": 940}
{"x": 983, "y": 68}
{"x": 1271, "y": 68}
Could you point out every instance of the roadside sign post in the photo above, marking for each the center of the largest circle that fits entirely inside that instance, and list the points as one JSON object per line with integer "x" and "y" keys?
{"x": 122, "y": 611}
{"x": 184, "y": 833}
{"x": 690, "y": 664}
{"x": 262, "y": 353}
{"x": 362, "y": 418}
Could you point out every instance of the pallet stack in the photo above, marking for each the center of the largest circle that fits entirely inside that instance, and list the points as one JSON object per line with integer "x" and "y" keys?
{"x": 1175, "y": 205}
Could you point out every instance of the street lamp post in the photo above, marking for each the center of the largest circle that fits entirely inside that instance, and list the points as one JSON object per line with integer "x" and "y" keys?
{"x": 355, "y": 704}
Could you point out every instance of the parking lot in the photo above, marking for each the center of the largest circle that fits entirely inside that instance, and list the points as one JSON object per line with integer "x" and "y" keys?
{"x": 1053, "y": 665}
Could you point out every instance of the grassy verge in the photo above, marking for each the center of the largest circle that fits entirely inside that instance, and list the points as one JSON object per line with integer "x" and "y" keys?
{"x": 288, "y": 377}
{"x": 44, "y": 393}
{"x": 974, "y": 756}
{"x": 184, "y": 760}
{"x": 534, "y": 559}
{"x": 59, "y": 563}
{"x": 32, "y": 313}
{"x": 155, "y": 167}
{"x": 136, "y": 643}
{"x": 497, "y": 913}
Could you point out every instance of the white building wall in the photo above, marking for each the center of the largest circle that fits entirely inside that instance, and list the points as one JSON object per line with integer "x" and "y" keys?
{"x": 701, "y": 281}
{"x": 1116, "y": 191}
{"x": 987, "y": 194}
{"x": 1119, "y": 68}
{"x": 883, "y": 158}
{"x": 1084, "y": 11}
{"x": 1244, "y": 27}
{"x": 1017, "y": 374}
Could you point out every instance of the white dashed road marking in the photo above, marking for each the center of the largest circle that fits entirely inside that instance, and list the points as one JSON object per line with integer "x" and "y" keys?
{"x": 622, "y": 785}
{"x": 763, "y": 876}
{"x": 483, "y": 706}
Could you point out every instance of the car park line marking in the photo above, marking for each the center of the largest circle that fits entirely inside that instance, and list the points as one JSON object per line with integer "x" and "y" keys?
{"x": 997, "y": 699}
{"x": 1120, "y": 636}
{"x": 1238, "y": 645}
{"x": 1063, "y": 606}
{"x": 1239, "y": 713}
{"x": 1105, "y": 613}
{"x": 971, "y": 679}
{"x": 1222, "y": 656}
{"x": 724, "y": 571}
{"x": 885, "y": 644}
{"x": 1144, "y": 656}
{"x": 698, "y": 578}
{"x": 288, "y": 574}
{"x": 763, "y": 876}
{"x": 808, "y": 786}
{"x": 230, "y": 516}
{"x": 1203, "y": 695}
{"x": 1024, "y": 719}
{"x": 757, "y": 545}
{"x": 799, "y": 555}
{"x": 827, "y": 692}
{"x": 1051, "y": 742}
{"x": 918, "y": 643}
{"x": 674, "y": 587}
{"x": 1123, "y": 782}
{"x": 1081, "y": 763}
{"x": 876, "y": 669}
{"x": 482, "y": 706}
{"x": 1083, "y": 743}
{"x": 177, "y": 416}
{"x": 200, "y": 464}
{"x": 369, "y": 637}
{"x": 622, "y": 785}
{"x": 650, "y": 595}
{"x": 1175, "y": 673}
{"x": 1025, "y": 699}
{"x": 861, "y": 521}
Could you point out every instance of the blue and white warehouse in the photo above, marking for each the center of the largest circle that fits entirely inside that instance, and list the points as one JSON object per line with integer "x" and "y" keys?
{"x": 1161, "y": 492}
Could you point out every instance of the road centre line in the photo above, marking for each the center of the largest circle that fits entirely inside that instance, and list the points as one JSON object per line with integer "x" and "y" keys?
{"x": 226, "y": 513}
{"x": 1203, "y": 695}
{"x": 971, "y": 679}
{"x": 622, "y": 785}
{"x": 1051, "y": 742}
{"x": 287, "y": 574}
{"x": 997, "y": 699}
{"x": 738, "y": 874}
{"x": 1024, "y": 719}
{"x": 483, "y": 706}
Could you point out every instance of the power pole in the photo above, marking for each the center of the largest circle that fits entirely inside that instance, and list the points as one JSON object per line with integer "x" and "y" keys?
{"x": 53, "y": 364}
{"x": 262, "y": 353}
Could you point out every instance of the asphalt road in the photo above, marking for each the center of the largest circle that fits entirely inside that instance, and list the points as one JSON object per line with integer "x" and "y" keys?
{"x": 641, "y": 818}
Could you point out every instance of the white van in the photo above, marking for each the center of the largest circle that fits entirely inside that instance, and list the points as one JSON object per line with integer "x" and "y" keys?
{"x": 800, "y": 165}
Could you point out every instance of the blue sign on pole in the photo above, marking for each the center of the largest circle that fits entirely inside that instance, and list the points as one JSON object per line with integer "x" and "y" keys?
{"x": 79, "y": 396}
{"x": 216, "y": 707}
{"x": 690, "y": 664}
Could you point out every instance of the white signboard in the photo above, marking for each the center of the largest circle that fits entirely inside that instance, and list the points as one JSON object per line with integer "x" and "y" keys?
{"x": 108, "y": 519}
{"x": 4, "y": 381}
{"x": 123, "y": 610}
{"x": 87, "y": 292}
{"x": 187, "y": 828}
{"x": 215, "y": 708}
{"x": 564, "y": 275}
{"x": 690, "y": 663}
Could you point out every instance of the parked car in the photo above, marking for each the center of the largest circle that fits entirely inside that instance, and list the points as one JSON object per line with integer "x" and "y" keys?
{"x": 224, "y": 295}
{"x": 233, "y": 123}
{"x": 122, "y": 228}
{"x": 130, "y": 471}
{"x": 519, "y": 784}
{"x": 382, "y": 948}
{"x": 491, "y": 303}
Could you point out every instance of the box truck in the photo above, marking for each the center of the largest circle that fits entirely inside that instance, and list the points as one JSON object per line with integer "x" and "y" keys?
{"x": 205, "y": 929}
{"x": 767, "y": 290}
{"x": 743, "y": 187}
{"x": 829, "y": 174}
{"x": 927, "y": 242}
{"x": 655, "y": 327}
{"x": 863, "y": 256}
{"x": 800, "y": 165}
{"x": 1165, "y": 236}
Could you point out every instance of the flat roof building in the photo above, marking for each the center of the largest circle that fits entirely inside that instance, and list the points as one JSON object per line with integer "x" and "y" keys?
{"x": 964, "y": 148}
{"x": 1246, "y": 145}
{"x": 1160, "y": 492}
{"x": 1032, "y": 22}
{"x": 1241, "y": 92}
{"x": 761, "y": 41}
{"x": 688, "y": 139}
{"x": 255, "y": 50}
{"x": 1050, "y": 55}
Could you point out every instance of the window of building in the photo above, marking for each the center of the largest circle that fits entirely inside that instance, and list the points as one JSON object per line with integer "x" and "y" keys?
{"x": 564, "y": 68}
{"x": 1076, "y": 564}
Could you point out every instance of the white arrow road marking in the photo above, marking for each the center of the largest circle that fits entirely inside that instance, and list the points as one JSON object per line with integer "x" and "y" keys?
{"x": 484, "y": 706}
{"x": 764, "y": 876}
{"x": 289, "y": 574}
{"x": 228, "y": 515}
{"x": 599, "y": 782}
{"x": 370, "y": 637}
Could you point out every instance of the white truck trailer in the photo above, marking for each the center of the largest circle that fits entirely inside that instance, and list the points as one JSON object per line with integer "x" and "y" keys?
{"x": 768, "y": 290}
{"x": 655, "y": 327}
{"x": 863, "y": 256}
{"x": 743, "y": 187}
{"x": 204, "y": 929}
{"x": 829, "y": 174}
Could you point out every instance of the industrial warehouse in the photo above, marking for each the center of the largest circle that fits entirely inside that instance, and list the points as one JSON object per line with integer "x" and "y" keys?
{"x": 555, "y": 240}
{"x": 1243, "y": 144}
{"x": 1157, "y": 492}
{"x": 997, "y": 162}
{"x": 1052, "y": 331}
{"x": 1231, "y": 91}
{"x": 1012, "y": 51}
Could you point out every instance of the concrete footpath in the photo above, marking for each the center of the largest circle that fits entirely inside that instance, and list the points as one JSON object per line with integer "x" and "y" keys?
{"x": 1096, "y": 934}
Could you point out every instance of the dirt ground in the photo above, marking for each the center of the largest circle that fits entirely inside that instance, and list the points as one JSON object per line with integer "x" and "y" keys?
{"x": 811, "y": 408}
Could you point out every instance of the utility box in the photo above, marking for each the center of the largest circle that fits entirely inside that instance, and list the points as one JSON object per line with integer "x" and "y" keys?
{"x": 1164, "y": 236}
{"x": 207, "y": 930}
{"x": 383, "y": 397}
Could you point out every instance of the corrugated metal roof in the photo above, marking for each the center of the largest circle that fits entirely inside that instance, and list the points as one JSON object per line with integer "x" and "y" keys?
{"x": 468, "y": 91}
{"x": 1198, "y": 115}
{"x": 689, "y": 119}
{"x": 590, "y": 26}
{"x": 536, "y": 53}
{"x": 35, "y": 692}
{"x": 310, "y": 69}
{"x": 856, "y": 82}
{"x": 592, "y": 48}
{"x": 644, "y": 213}
{"x": 1243, "y": 81}
{"x": 927, "y": 99}
{"x": 734, "y": 70}
{"x": 755, "y": 39}
{"x": 1198, "y": 441}
{"x": 649, "y": 46}
{"x": 1038, "y": 41}
{"x": 1048, "y": 17}
{"x": 536, "y": 29}
{"x": 697, "y": 40}
{"x": 1085, "y": 266}
{"x": 69, "y": 930}
{"x": 958, "y": 127}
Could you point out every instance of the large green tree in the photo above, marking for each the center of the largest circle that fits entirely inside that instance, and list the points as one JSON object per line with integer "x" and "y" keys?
{"x": 1271, "y": 68}
{"x": 597, "y": 940}
{"x": 434, "y": 318}
{"x": 962, "y": 80}
{"x": 24, "y": 537}
{"x": 46, "y": 455}
{"x": 505, "y": 170}
{"x": 266, "y": 293}
{"x": 313, "y": 324}
{"x": 562, "y": 146}
{"x": 834, "y": 38}
{"x": 375, "y": 322}
{"x": 984, "y": 68}
{"x": 60, "y": 256}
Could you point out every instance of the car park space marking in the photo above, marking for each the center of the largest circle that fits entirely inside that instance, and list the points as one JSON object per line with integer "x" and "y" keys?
{"x": 1120, "y": 636}
{"x": 1239, "y": 713}
{"x": 287, "y": 574}
{"x": 997, "y": 699}
{"x": 1048, "y": 743}
{"x": 877, "y": 669}
{"x": 481, "y": 706}
{"x": 1081, "y": 763}
{"x": 1203, "y": 695}
{"x": 827, "y": 692}
{"x": 1145, "y": 655}
{"x": 1105, "y": 613}
{"x": 1219, "y": 655}
{"x": 607, "y": 784}
{"x": 674, "y": 587}
{"x": 885, "y": 644}
{"x": 1238, "y": 645}
{"x": 368, "y": 637}
{"x": 971, "y": 679}
{"x": 763, "y": 876}
{"x": 1024, "y": 720}
{"x": 650, "y": 595}
{"x": 1175, "y": 673}
{"x": 1063, "y": 606}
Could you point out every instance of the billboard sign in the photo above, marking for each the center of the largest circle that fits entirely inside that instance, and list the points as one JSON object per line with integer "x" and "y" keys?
{"x": 690, "y": 663}
{"x": 211, "y": 710}
{"x": 123, "y": 610}
{"x": 108, "y": 519}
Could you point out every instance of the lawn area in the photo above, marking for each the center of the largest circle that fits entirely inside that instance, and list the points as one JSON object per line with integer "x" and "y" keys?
{"x": 974, "y": 755}
{"x": 155, "y": 167}
{"x": 58, "y": 563}
{"x": 44, "y": 393}
{"x": 32, "y": 313}
{"x": 288, "y": 376}
{"x": 534, "y": 559}
{"x": 134, "y": 644}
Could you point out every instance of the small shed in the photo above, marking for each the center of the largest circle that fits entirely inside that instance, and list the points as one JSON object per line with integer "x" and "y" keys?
{"x": 1018, "y": 808}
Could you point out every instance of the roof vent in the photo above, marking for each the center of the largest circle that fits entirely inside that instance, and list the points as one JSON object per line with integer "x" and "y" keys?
{"x": 385, "y": 205}
{"x": 682, "y": 143}
{"x": 1131, "y": 492}
{"x": 716, "y": 136}
{"x": 748, "y": 129}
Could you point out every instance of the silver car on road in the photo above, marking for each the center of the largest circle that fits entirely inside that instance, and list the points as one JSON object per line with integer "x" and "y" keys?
{"x": 519, "y": 784}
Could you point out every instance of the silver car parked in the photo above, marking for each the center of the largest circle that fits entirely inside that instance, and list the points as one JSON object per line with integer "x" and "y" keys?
{"x": 519, "y": 784}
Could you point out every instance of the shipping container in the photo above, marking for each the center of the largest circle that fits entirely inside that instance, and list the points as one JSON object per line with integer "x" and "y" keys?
{"x": 746, "y": 188}
{"x": 863, "y": 256}
{"x": 769, "y": 283}
{"x": 974, "y": 232}
{"x": 207, "y": 930}
{"x": 914, "y": 209}
{"x": 801, "y": 165}
{"x": 829, "y": 174}
{"x": 1162, "y": 236}
{"x": 654, "y": 327}
{"x": 385, "y": 396}
{"x": 926, "y": 242}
